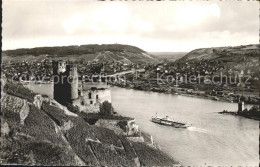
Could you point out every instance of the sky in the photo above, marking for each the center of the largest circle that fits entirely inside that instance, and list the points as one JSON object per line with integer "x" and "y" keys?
{"x": 167, "y": 26}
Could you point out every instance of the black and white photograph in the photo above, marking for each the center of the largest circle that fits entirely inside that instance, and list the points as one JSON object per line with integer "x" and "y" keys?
{"x": 134, "y": 83}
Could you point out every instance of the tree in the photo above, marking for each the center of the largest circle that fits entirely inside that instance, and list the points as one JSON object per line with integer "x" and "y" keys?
{"x": 72, "y": 108}
{"x": 244, "y": 98}
{"x": 130, "y": 77}
{"x": 106, "y": 108}
{"x": 254, "y": 109}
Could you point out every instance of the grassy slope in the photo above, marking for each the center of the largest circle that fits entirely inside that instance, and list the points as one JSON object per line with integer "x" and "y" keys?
{"x": 223, "y": 53}
{"x": 35, "y": 142}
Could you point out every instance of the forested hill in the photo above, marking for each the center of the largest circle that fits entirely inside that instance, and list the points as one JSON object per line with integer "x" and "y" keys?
{"x": 104, "y": 52}
{"x": 74, "y": 49}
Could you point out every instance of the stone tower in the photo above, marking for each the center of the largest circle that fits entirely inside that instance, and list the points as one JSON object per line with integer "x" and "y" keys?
{"x": 241, "y": 106}
{"x": 65, "y": 80}
{"x": 74, "y": 81}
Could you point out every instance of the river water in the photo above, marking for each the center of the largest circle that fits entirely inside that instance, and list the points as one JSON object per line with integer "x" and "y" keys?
{"x": 212, "y": 140}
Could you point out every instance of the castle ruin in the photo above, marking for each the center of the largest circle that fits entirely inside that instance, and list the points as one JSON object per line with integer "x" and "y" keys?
{"x": 67, "y": 88}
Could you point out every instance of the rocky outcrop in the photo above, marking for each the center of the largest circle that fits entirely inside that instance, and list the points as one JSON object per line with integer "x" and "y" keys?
{"x": 64, "y": 108}
{"x": 38, "y": 101}
{"x": 15, "y": 105}
{"x": 139, "y": 139}
{"x": 66, "y": 126}
{"x": 132, "y": 128}
{"x": 5, "y": 130}
{"x": 20, "y": 120}
{"x": 126, "y": 127}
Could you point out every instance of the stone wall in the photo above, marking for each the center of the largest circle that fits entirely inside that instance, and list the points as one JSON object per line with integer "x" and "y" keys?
{"x": 91, "y": 99}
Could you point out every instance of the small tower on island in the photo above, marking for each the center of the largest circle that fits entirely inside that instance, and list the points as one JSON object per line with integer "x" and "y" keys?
{"x": 241, "y": 106}
{"x": 65, "y": 78}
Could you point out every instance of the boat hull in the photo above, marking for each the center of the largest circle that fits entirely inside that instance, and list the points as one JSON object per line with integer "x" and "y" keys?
{"x": 169, "y": 123}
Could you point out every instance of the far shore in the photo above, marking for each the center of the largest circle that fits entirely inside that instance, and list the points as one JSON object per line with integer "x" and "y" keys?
{"x": 215, "y": 98}
{"x": 184, "y": 94}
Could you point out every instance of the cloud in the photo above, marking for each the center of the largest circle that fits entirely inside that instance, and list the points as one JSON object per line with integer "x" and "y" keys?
{"x": 141, "y": 26}
{"x": 71, "y": 24}
{"x": 152, "y": 26}
{"x": 109, "y": 17}
{"x": 194, "y": 15}
{"x": 171, "y": 27}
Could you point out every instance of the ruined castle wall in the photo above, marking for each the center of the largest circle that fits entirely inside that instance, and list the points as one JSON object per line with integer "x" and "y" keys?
{"x": 83, "y": 107}
{"x": 91, "y": 100}
{"x": 97, "y": 96}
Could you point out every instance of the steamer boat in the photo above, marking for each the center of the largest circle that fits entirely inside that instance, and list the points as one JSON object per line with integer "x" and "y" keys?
{"x": 168, "y": 122}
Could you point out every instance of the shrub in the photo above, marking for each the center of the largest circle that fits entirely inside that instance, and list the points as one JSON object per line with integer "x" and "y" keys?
{"x": 106, "y": 108}
{"x": 72, "y": 108}
{"x": 122, "y": 124}
{"x": 254, "y": 109}
{"x": 244, "y": 98}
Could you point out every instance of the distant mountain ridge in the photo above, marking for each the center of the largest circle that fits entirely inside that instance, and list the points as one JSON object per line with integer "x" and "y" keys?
{"x": 129, "y": 54}
{"x": 104, "y": 52}
{"x": 168, "y": 56}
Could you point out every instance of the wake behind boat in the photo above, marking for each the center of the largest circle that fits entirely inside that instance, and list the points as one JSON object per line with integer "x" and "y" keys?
{"x": 168, "y": 122}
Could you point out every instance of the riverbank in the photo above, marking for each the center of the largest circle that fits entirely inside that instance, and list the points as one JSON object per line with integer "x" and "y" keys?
{"x": 198, "y": 95}
{"x": 242, "y": 114}
{"x": 206, "y": 97}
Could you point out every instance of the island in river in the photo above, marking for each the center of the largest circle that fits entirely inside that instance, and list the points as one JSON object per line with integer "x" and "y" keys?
{"x": 252, "y": 113}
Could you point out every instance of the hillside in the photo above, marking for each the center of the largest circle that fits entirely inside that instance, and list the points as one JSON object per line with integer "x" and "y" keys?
{"x": 226, "y": 54}
{"x": 36, "y": 130}
{"x": 104, "y": 52}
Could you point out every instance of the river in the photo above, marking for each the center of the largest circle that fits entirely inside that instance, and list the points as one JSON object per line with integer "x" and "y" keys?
{"x": 212, "y": 140}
